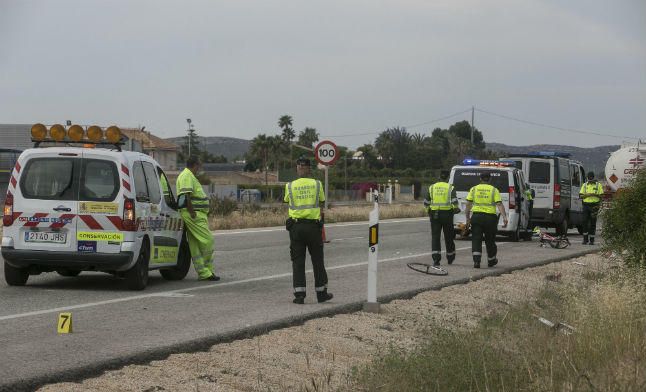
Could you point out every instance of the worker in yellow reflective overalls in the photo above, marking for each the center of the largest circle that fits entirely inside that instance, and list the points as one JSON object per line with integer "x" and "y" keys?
{"x": 305, "y": 231}
{"x": 194, "y": 207}
{"x": 483, "y": 199}
{"x": 591, "y": 193}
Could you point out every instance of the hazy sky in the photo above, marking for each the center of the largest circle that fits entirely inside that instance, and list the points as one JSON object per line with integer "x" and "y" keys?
{"x": 344, "y": 67}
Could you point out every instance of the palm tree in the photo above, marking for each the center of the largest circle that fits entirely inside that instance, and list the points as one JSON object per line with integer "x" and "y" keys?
{"x": 418, "y": 138}
{"x": 260, "y": 147}
{"x": 285, "y": 123}
{"x": 308, "y": 137}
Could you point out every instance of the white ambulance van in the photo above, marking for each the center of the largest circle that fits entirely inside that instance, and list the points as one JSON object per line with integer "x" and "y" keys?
{"x": 509, "y": 181}
{"x": 74, "y": 209}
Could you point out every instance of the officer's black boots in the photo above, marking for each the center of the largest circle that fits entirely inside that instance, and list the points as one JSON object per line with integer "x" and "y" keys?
{"x": 493, "y": 262}
{"x": 436, "y": 263}
{"x": 323, "y": 296}
{"x": 591, "y": 241}
{"x": 450, "y": 259}
{"x": 585, "y": 239}
{"x": 299, "y": 300}
{"x": 476, "y": 264}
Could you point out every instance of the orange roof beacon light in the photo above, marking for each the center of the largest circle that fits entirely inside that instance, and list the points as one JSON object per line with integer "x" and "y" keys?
{"x": 38, "y": 132}
{"x": 57, "y": 132}
{"x": 94, "y": 134}
{"x": 113, "y": 134}
{"x": 76, "y": 133}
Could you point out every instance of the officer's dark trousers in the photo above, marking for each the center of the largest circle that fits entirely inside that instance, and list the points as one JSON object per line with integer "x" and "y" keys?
{"x": 302, "y": 236}
{"x": 442, "y": 221}
{"x": 590, "y": 212}
{"x": 483, "y": 225}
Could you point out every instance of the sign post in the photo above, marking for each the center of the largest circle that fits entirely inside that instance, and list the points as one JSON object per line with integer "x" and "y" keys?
{"x": 326, "y": 153}
{"x": 372, "y": 305}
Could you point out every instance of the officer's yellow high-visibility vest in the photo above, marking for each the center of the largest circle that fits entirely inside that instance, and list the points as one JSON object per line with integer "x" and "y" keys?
{"x": 592, "y": 188}
{"x": 304, "y": 196}
{"x": 187, "y": 183}
{"x": 440, "y": 196}
{"x": 484, "y": 198}
{"x": 528, "y": 195}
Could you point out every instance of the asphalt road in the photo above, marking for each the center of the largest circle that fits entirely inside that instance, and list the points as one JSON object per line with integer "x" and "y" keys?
{"x": 113, "y": 326}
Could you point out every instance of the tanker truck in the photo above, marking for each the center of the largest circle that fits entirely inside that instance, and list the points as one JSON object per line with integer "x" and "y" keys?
{"x": 623, "y": 164}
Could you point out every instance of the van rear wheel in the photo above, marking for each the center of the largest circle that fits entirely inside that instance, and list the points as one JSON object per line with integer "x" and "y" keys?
{"x": 15, "y": 276}
{"x": 137, "y": 276}
{"x": 179, "y": 271}
{"x": 562, "y": 228}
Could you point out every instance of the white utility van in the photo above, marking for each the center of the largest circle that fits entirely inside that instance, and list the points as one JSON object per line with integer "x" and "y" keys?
{"x": 73, "y": 209}
{"x": 509, "y": 181}
{"x": 557, "y": 180}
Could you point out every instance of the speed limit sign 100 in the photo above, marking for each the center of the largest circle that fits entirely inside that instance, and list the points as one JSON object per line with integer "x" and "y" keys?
{"x": 326, "y": 153}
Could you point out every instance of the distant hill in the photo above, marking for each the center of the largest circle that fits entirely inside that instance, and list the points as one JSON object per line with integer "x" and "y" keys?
{"x": 230, "y": 147}
{"x": 593, "y": 158}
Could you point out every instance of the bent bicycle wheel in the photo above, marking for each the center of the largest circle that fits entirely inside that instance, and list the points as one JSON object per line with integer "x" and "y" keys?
{"x": 427, "y": 269}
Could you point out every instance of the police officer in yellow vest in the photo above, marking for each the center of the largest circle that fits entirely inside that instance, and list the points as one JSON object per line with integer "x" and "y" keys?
{"x": 483, "y": 200}
{"x": 194, "y": 207}
{"x": 304, "y": 225}
{"x": 591, "y": 193}
{"x": 442, "y": 204}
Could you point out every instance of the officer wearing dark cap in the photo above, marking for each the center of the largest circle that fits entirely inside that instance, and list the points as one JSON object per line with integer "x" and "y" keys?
{"x": 441, "y": 205}
{"x": 483, "y": 200}
{"x": 304, "y": 224}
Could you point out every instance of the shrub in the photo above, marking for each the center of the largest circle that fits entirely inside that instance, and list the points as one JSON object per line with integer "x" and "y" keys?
{"x": 222, "y": 207}
{"x": 624, "y": 223}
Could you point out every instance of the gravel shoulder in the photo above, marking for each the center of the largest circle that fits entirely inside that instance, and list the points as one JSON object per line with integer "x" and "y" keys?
{"x": 321, "y": 354}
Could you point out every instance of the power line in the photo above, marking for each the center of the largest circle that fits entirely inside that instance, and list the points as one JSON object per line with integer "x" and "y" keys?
{"x": 584, "y": 132}
{"x": 404, "y": 126}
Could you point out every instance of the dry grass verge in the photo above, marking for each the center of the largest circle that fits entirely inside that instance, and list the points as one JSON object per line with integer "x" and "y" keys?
{"x": 267, "y": 217}
{"x": 394, "y": 350}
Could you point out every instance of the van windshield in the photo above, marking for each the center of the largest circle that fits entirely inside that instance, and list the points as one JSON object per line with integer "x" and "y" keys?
{"x": 58, "y": 178}
{"x": 465, "y": 179}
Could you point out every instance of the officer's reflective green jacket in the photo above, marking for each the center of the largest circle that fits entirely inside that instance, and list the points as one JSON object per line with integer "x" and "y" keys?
{"x": 528, "y": 194}
{"x": 442, "y": 197}
{"x": 593, "y": 188}
{"x": 189, "y": 185}
{"x": 303, "y": 196}
{"x": 484, "y": 198}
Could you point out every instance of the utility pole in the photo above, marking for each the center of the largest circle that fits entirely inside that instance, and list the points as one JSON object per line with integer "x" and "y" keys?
{"x": 188, "y": 120}
{"x": 473, "y": 113}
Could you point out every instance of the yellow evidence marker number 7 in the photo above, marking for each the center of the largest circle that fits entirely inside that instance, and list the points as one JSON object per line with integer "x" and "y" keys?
{"x": 65, "y": 323}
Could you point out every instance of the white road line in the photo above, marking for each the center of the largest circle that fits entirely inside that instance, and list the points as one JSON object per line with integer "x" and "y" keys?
{"x": 346, "y": 239}
{"x": 330, "y": 225}
{"x": 204, "y": 287}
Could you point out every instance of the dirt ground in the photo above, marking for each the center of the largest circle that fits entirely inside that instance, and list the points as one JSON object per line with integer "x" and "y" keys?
{"x": 321, "y": 354}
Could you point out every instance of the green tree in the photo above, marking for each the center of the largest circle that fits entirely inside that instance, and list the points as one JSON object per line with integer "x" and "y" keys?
{"x": 191, "y": 139}
{"x": 285, "y": 122}
{"x": 393, "y": 146}
{"x": 308, "y": 136}
{"x": 259, "y": 150}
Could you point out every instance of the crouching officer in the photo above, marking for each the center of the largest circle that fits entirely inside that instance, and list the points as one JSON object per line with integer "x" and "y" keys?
{"x": 442, "y": 204}
{"x": 483, "y": 200}
{"x": 194, "y": 208}
{"x": 591, "y": 193}
{"x": 304, "y": 225}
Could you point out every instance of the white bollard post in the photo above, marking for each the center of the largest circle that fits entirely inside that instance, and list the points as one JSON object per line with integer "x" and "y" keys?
{"x": 372, "y": 305}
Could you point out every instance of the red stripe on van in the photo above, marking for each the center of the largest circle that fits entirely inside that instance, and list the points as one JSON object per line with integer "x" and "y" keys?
{"x": 13, "y": 181}
{"x": 125, "y": 170}
{"x": 116, "y": 221}
{"x": 126, "y": 184}
{"x": 18, "y": 167}
{"x": 36, "y": 215}
{"x": 91, "y": 222}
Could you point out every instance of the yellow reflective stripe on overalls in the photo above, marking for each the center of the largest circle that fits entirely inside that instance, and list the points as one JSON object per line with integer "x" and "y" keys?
{"x": 292, "y": 203}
